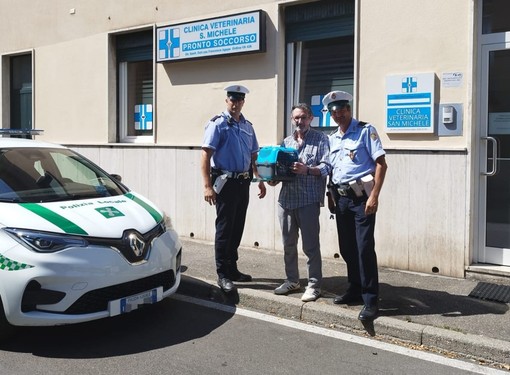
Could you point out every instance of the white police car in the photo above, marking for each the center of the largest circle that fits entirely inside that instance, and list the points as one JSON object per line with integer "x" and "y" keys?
{"x": 75, "y": 243}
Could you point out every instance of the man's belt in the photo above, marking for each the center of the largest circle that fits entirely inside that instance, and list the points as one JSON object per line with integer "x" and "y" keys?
{"x": 356, "y": 189}
{"x": 353, "y": 190}
{"x": 344, "y": 190}
{"x": 232, "y": 175}
{"x": 237, "y": 175}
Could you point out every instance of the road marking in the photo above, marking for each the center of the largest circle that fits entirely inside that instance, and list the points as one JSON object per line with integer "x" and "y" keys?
{"x": 458, "y": 364}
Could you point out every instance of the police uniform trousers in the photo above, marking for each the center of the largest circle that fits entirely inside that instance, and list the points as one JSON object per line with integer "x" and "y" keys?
{"x": 357, "y": 247}
{"x": 231, "y": 206}
{"x": 305, "y": 219}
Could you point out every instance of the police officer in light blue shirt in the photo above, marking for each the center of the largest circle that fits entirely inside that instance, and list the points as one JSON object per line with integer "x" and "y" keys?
{"x": 359, "y": 167}
{"x": 229, "y": 152}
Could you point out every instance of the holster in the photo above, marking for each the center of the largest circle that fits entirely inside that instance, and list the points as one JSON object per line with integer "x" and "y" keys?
{"x": 332, "y": 196}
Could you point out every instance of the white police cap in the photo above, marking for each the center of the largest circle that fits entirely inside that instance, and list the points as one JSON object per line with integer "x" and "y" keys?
{"x": 336, "y": 99}
{"x": 236, "y": 91}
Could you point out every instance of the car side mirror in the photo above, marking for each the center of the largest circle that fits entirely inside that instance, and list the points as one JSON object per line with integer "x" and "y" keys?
{"x": 117, "y": 177}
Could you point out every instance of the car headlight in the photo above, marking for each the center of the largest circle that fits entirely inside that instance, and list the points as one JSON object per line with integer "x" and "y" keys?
{"x": 45, "y": 242}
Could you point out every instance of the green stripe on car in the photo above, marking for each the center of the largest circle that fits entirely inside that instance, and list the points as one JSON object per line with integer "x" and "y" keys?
{"x": 154, "y": 213}
{"x": 54, "y": 218}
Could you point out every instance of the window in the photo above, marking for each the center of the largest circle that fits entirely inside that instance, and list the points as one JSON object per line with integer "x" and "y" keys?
{"x": 21, "y": 92}
{"x": 135, "y": 86}
{"x": 325, "y": 65}
{"x": 495, "y": 16}
{"x": 320, "y": 53}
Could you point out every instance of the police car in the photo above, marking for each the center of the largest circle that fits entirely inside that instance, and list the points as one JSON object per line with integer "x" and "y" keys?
{"x": 75, "y": 243}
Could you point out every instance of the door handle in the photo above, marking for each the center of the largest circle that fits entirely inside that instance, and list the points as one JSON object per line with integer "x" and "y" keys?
{"x": 494, "y": 156}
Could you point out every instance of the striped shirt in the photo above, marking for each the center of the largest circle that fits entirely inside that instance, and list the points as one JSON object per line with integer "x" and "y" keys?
{"x": 307, "y": 189}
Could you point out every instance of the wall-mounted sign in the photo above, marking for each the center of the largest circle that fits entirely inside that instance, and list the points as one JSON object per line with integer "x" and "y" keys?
{"x": 238, "y": 33}
{"x": 321, "y": 115}
{"x": 452, "y": 79}
{"x": 143, "y": 117}
{"x": 410, "y": 103}
{"x": 499, "y": 123}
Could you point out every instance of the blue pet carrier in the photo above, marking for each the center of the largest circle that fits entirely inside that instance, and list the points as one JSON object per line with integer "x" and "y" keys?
{"x": 274, "y": 163}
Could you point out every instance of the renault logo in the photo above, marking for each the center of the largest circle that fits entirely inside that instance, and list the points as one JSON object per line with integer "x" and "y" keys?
{"x": 136, "y": 243}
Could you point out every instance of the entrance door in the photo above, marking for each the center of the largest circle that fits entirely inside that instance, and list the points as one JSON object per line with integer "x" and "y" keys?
{"x": 495, "y": 176}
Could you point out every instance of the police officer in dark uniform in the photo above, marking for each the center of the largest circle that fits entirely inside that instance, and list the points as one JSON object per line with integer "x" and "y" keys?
{"x": 359, "y": 167}
{"x": 229, "y": 152}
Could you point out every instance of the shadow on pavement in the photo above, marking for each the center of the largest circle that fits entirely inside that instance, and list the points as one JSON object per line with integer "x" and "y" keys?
{"x": 164, "y": 324}
{"x": 408, "y": 301}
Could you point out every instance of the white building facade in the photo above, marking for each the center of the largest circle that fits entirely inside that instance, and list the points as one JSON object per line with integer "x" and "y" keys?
{"x": 131, "y": 85}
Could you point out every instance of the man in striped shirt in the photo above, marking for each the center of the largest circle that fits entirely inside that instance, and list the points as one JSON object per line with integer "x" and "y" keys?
{"x": 300, "y": 201}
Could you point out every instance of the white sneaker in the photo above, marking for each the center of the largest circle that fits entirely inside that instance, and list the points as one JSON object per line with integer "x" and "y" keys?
{"x": 287, "y": 287}
{"x": 311, "y": 294}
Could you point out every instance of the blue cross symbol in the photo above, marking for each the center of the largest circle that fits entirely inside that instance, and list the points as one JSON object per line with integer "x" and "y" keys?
{"x": 169, "y": 43}
{"x": 143, "y": 117}
{"x": 409, "y": 84}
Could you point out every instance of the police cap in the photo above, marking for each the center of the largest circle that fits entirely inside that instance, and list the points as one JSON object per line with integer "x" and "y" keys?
{"x": 236, "y": 92}
{"x": 336, "y": 100}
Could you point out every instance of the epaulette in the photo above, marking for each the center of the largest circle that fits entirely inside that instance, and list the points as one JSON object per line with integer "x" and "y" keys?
{"x": 215, "y": 118}
{"x": 361, "y": 124}
{"x": 334, "y": 131}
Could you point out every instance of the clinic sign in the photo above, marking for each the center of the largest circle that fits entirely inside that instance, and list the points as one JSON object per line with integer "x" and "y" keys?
{"x": 234, "y": 34}
{"x": 410, "y": 103}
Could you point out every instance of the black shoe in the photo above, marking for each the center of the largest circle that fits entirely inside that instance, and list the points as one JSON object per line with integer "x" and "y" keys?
{"x": 242, "y": 277}
{"x": 368, "y": 313}
{"x": 226, "y": 285}
{"x": 347, "y": 298}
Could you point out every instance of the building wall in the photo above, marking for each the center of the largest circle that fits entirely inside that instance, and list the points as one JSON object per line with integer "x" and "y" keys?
{"x": 424, "y": 223}
{"x": 399, "y": 37}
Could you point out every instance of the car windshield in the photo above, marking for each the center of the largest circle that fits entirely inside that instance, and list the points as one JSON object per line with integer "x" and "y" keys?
{"x": 50, "y": 175}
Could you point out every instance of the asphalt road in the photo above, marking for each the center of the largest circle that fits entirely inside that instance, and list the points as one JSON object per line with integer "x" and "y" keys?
{"x": 179, "y": 337}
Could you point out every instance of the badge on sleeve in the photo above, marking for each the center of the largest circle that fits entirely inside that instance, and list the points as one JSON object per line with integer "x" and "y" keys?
{"x": 373, "y": 135}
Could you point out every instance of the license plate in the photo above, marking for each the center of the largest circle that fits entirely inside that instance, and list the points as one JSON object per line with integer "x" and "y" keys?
{"x": 127, "y": 304}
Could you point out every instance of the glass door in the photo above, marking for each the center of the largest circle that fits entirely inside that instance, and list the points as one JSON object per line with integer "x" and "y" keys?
{"x": 495, "y": 155}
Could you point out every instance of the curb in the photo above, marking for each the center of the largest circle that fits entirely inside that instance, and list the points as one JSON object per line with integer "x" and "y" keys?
{"x": 490, "y": 351}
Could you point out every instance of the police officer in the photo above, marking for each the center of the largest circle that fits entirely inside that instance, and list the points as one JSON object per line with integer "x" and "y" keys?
{"x": 229, "y": 152}
{"x": 359, "y": 167}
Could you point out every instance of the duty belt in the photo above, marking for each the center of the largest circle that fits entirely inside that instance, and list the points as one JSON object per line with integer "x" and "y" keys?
{"x": 237, "y": 175}
{"x": 344, "y": 190}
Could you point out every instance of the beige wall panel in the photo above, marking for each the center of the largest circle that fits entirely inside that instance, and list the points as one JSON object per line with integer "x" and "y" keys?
{"x": 91, "y": 153}
{"x": 264, "y": 227}
{"x": 437, "y": 237}
{"x": 423, "y": 214}
{"x": 392, "y": 222}
{"x": 161, "y": 173}
{"x": 71, "y": 91}
{"x": 112, "y": 162}
{"x": 136, "y": 162}
{"x": 400, "y": 37}
{"x": 328, "y": 235}
{"x": 191, "y": 213}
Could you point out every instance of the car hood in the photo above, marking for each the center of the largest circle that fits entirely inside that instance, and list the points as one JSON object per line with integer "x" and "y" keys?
{"x": 99, "y": 217}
